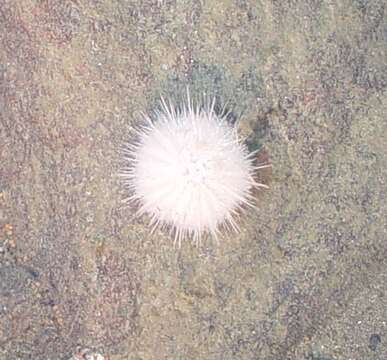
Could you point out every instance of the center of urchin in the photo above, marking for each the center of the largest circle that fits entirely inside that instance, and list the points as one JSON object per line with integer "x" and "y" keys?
{"x": 189, "y": 171}
{"x": 195, "y": 169}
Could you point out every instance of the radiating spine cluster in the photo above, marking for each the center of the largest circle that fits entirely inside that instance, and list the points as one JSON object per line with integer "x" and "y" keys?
{"x": 188, "y": 170}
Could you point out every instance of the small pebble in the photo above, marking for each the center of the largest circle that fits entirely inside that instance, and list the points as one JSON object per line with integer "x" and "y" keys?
{"x": 374, "y": 341}
{"x": 87, "y": 354}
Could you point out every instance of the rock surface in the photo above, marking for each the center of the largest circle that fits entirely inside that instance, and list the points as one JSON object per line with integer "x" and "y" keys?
{"x": 307, "y": 276}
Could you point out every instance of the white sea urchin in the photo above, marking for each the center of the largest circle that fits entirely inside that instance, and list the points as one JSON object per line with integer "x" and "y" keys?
{"x": 189, "y": 171}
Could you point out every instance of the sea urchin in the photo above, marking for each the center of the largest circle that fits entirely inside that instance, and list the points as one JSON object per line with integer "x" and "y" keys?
{"x": 189, "y": 171}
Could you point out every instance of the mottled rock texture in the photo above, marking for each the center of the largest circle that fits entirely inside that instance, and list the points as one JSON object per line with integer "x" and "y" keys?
{"x": 307, "y": 276}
